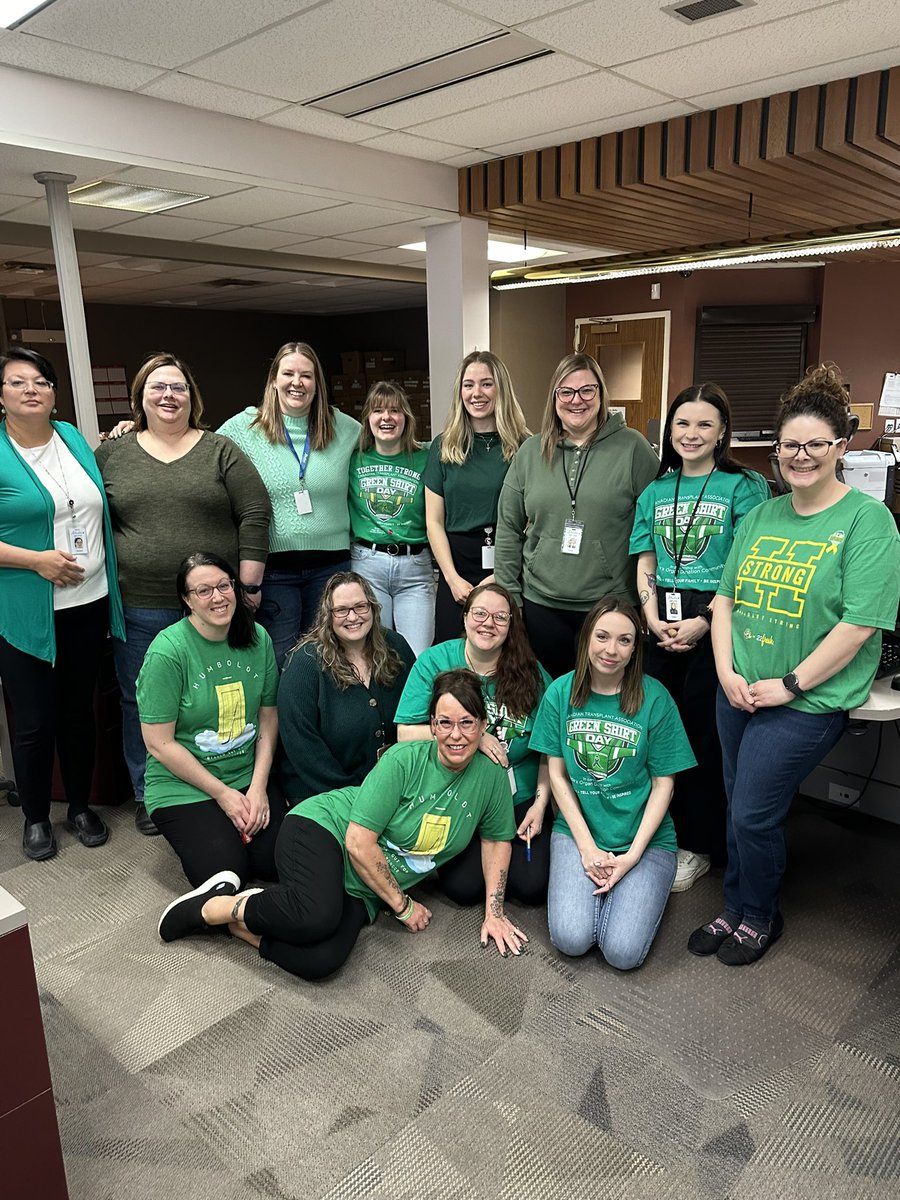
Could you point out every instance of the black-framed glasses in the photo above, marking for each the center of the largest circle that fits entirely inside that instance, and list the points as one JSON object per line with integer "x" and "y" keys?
{"x": 177, "y": 389}
{"x": 362, "y": 610}
{"x": 445, "y": 725}
{"x": 817, "y": 448}
{"x": 204, "y": 591}
{"x": 480, "y": 615}
{"x": 19, "y": 385}
{"x": 587, "y": 392}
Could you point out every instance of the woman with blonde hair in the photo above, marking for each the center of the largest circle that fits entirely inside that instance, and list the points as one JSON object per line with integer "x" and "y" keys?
{"x": 339, "y": 692}
{"x": 566, "y": 511}
{"x": 467, "y": 465}
{"x": 387, "y": 515}
{"x": 301, "y": 447}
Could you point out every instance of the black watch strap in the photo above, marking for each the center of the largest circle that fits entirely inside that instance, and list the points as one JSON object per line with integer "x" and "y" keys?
{"x": 251, "y": 589}
{"x": 792, "y": 684}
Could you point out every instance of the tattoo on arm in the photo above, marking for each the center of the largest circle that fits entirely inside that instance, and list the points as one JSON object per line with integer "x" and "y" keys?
{"x": 644, "y": 597}
{"x": 651, "y": 582}
{"x": 382, "y": 868}
{"x": 497, "y": 896}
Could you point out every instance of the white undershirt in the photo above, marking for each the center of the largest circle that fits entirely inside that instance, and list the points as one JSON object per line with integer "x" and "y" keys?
{"x": 63, "y": 477}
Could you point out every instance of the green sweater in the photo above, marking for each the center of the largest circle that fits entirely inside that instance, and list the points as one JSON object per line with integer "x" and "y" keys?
{"x": 210, "y": 499}
{"x": 327, "y": 527}
{"x": 535, "y": 504}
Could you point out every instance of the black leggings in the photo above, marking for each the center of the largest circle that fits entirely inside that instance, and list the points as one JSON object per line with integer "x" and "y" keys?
{"x": 553, "y": 633}
{"x": 207, "y": 842}
{"x": 466, "y": 551}
{"x": 462, "y": 879}
{"x": 307, "y": 922}
{"x": 54, "y": 709}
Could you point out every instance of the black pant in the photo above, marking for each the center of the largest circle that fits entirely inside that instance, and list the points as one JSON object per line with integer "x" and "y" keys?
{"x": 553, "y": 633}
{"x": 308, "y": 923}
{"x": 466, "y": 551}
{"x": 698, "y": 804}
{"x": 207, "y": 842}
{"x": 462, "y": 878}
{"x": 54, "y": 709}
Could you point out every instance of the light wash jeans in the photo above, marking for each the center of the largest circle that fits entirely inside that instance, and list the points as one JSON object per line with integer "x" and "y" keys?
{"x": 621, "y": 924}
{"x": 404, "y": 587}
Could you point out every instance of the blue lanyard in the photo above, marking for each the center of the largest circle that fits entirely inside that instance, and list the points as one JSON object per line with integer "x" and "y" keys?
{"x": 301, "y": 462}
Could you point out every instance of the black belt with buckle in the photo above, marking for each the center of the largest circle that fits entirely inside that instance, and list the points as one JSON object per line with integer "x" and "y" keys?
{"x": 394, "y": 548}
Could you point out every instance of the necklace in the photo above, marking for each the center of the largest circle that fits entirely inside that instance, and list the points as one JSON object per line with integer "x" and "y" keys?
{"x": 474, "y": 669}
{"x": 490, "y": 440}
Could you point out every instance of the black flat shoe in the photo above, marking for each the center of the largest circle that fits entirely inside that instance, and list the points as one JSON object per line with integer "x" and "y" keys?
{"x": 144, "y": 823}
{"x": 88, "y": 828}
{"x": 38, "y": 841}
{"x": 747, "y": 945}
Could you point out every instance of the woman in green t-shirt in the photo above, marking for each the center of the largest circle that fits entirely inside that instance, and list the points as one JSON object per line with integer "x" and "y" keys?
{"x": 344, "y": 856}
{"x": 812, "y": 577}
{"x": 387, "y": 515}
{"x": 466, "y": 467}
{"x": 684, "y": 527}
{"x": 614, "y": 740}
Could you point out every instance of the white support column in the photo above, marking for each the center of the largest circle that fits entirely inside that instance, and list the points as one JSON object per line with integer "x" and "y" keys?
{"x": 458, "y": 288}
{"x": 72, "y": 301}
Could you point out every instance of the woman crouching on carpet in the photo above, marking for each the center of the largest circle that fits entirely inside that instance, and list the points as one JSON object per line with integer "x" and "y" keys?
{"x": 347, "y": 854}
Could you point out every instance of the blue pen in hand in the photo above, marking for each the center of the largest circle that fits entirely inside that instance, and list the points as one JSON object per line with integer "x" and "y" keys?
{"x": 528, "y": 844}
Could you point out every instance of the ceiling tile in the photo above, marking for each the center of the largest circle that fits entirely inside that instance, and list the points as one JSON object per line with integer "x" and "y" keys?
{"x": 322, "y": 248}
{"x": 367, "y": 36}
{"x": 166, "y": 32}
{"x": 347, "y": 218}
{"x": 468, "y": 159}
{"x": 255, "y": 205}
{"x": 213, "y": 97}
{"x": 174, "y": 179}
{"x": 70, "y": 62}
{"x": 393, "y": 257}
{"x": 396, "y": 235}
{"x": 574, "y": 133}
{"x": 181, "y": 228}
{"x": 8, "y": 204}
{"x": 512, "y": 12}
{"x": 82, "y": 216}
{"x": 250, "y": 238}
{"x": 323, "y": 124}
{"x": 413, "y": 147}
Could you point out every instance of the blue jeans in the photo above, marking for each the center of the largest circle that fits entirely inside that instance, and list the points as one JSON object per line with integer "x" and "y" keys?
{"x": 766, "y": 755}
{"x": 622, "y": 923}
{"x": 404, "y": 587}
{"x": 290, "y": 600}
{"x": 141, "y": 627}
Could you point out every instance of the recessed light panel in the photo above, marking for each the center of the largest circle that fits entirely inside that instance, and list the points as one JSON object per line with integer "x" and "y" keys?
{"x": 129, "y": 197}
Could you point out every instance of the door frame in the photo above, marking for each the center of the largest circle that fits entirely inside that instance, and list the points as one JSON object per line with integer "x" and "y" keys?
{"x": 664, "y": 315}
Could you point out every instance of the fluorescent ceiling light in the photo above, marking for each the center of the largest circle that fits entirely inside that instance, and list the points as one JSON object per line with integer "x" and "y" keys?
{"x": 505, "y": 252}
{"x": 884, "y": 239}
{"x": 137, "y": 198}
{"x": 16, "y": 12}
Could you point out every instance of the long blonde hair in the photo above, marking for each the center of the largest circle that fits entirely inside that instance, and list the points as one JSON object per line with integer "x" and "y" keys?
{"x": 384, "y": 658}
{"x": 321, "y": 419}
{"x": 387, "y": 395}
{"x": 457, "y": 437}
{"x": 551, "y": 426}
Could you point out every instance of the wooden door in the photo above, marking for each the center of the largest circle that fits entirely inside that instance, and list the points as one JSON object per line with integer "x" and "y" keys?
{"x": 631, "y": 354}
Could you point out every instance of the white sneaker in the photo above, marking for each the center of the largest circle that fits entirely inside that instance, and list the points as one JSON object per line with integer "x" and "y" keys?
{"x": 690, "y": 868}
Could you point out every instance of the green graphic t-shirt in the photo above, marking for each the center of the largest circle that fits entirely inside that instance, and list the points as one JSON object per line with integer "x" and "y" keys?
{"x": 515, "y": 731}
{"x": 387, "y": 497}
{"x": 213, "y": 694}
{"x": 794, "y": 578}
{"x": 470, "y": 491}
{"x": 423, "y": 813}
{"x": 612, "y": 759}
{"x": 709, "y": 528}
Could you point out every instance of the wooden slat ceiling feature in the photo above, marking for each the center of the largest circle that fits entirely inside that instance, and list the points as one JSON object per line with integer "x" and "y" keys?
{"x": 795, "y": 165}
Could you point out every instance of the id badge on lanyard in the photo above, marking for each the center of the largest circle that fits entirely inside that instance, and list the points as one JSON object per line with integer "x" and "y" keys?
{"x": 302, "y": 498}
{"x": 487, "y": 550}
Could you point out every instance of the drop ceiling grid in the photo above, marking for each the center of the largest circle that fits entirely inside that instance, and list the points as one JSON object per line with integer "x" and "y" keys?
{"x": 250, "y": 238}
{"x": 255, "y": 205}
{"x": 322, "y": 248}
{"x": 82, "y": 217}
{"x": 300, "y": 119}
{"x": 165, "y": 226}
{"x": 575, "y": 133}
{"x": 19, "y": 163}
{"x": 19, "y": 49}
{"x": 414, "y": 147}
{"x": 348, "y": 218}
{"x": 213, "y": 97}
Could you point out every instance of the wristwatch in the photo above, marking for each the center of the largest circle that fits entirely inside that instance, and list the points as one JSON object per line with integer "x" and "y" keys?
{"x": 706, "y": 614}
{"x": 792, "y": 684}
{"x": 251, "y": 589}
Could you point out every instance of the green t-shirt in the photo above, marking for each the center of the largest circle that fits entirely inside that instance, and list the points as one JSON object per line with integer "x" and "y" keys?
{"x": 471, "y": 491}
{"x": 423, "y": 813}
{"x": 213, "y": 693}
{"x": 794, "y": 578}
{"x": 612, "y": 759}
{"x": 515, "y": 731}
{"x": 702, "y": 539}
{"x": 387, "y": 497}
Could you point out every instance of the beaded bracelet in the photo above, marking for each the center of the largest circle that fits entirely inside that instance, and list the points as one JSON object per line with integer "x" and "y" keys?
{"x": 407, "y": 912}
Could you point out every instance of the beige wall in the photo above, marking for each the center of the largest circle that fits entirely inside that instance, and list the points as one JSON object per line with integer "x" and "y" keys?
{"x": 528, "y": 331}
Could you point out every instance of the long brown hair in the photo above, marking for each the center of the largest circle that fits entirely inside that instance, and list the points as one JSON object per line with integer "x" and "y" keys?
{"x": 518, "y": 683}
{"x": 385, "y": 660}
{"x": 321, "y": 418}
{"x": 551, "y": 426}
{"x": 631, "y": 696}
{"x": 164, "y": 359}
{"x": 457, "y": 437}
{"x": 392, "y": 396}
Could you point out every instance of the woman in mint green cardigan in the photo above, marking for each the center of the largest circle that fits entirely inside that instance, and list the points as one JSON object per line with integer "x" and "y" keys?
{"x": 58, "y": 598}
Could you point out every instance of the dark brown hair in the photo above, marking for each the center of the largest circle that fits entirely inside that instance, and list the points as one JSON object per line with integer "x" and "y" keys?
{"x": 164, "y": 359}
{"x": 518, "y": 682}
{"x": 709, "y": 393}
{"x": 631, "y": 696}
{"x": 820, "y": 393}
{"x": 242, "y": 630}
{"x": 464, "y": 687}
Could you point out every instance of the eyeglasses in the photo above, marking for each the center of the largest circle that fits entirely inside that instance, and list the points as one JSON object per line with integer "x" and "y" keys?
{"x": 204, "y": 591}
{"x": 177, "y": 389}
{"x": 19, "y": 385}
{"x": 362, "y": 610}
{"x": 587, "y": 392}
{"x": 480, "y": 615}
{"x": 817, "y": 448}
{"x": 445, "y": 725}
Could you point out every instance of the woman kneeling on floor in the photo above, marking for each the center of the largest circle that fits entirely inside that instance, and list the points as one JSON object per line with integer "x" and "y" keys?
{"x": 343, "y": 856}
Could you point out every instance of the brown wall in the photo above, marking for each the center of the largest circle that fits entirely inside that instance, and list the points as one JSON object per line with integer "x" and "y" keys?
{"x": 528, "y": 331}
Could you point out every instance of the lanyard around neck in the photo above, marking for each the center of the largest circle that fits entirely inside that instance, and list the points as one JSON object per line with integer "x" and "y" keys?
{"x": 301, "y": 462}
{"x": 690, "y": 525}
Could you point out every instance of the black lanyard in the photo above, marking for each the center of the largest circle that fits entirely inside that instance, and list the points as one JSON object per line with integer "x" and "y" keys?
{"x": 687, "y": 533}
{"x": 573, "y": 493}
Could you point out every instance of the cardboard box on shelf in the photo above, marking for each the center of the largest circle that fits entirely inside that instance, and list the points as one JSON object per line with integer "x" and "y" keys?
{"x": 348, "y": 386}
{"x": 383, "y": 377}
{"x": 352, "y": 362}
{"x": 384, "y": 360}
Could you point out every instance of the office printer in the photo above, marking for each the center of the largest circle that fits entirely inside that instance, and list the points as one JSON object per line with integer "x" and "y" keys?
{"x": 871, "y": 471}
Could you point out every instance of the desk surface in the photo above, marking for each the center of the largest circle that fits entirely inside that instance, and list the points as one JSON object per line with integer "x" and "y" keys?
{"x": 883, "y": 703}
{"x": 12, "y": 914}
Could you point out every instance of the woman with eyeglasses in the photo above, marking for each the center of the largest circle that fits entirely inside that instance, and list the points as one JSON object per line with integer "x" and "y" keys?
{"x": 466, "y": 467}
{"x": 345, "y": 856}
{"x": 172, "y": 483}
{"x": 339, "y": 691}
{"x": 206, "y": 696}
{"x": 495, "y": 647}
{"x": 683, "y": 530}
{"x": 811, "y": 579}
{"x": 58, "y": 598}
{"x": 566, "y": 511}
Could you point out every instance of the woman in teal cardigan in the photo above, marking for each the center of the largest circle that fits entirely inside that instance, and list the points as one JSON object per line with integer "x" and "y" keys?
{"x": 58, "y": 598}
